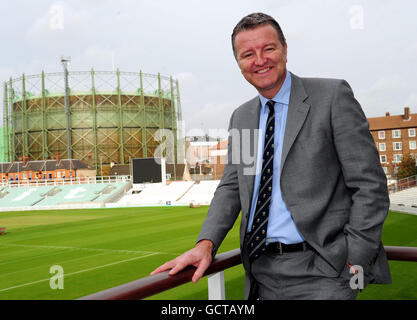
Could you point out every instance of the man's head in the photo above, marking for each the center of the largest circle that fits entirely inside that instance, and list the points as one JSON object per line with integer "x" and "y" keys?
{"x": 261, "y": 52}
{"x": 254, "y": 20}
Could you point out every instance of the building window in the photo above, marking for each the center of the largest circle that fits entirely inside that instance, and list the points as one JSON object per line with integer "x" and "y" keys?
{"x": 413, "y": 145}
{"x": 381, "y": 134}
{"x": 382, "y": 147}
{"x": 412, "y": 132}
{"x": 397, "y": 146}
{"x": 385, "y": 170}
{"x": 398, "y": 158}
{"x": 383, "y": 158}
{"x": 396, "y": 133}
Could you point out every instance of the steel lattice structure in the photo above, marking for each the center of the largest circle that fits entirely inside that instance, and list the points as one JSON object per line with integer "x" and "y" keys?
{"x": 113, "y": 116}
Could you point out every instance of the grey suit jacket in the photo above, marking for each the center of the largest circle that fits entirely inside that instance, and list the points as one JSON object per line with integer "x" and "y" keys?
{"x": 331, "y": 179}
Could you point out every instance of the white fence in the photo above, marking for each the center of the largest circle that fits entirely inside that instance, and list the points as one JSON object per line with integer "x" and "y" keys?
{"x": 63, "y": 181}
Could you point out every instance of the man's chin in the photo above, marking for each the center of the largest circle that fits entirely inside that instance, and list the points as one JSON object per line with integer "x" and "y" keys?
{"x": 268, "y": 91}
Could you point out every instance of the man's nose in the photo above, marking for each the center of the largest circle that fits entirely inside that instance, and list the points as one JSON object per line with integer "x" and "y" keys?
{"x": 259, "y": 59}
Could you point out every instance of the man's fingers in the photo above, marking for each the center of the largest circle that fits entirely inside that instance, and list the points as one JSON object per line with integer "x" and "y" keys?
{"x": 166, "y": 266}
{"x": 202, "y": 267}
{"x": 177, "y": 268}
{"x": 198, "y": 256}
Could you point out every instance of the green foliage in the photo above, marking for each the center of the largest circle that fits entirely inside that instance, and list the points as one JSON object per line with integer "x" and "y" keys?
{"x": 407, "y": 167}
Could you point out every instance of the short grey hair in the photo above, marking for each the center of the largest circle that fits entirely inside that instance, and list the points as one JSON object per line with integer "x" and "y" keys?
{"x": 254, "y": 20}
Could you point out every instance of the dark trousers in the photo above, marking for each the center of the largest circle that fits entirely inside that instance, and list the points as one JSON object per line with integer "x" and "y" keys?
{"x": 301, "y": 275}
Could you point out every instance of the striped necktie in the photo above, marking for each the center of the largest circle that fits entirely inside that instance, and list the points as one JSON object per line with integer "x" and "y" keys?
{"x": 257, "y": 235}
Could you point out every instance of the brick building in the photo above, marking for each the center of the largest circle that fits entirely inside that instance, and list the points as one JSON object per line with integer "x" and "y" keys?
{"x": 218, "y": 158}
{"x": 395, "y": 137}
{"x": 41, "y": 169}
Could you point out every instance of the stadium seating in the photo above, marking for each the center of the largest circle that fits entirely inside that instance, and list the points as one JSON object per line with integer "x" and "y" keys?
{"x": 107, "y": 195}
{"x": 175, "y": 193}
{"x": 201, "y": 193}
{"x": 157, "y": 194}
{"x": 22, "y": 197}
{"x": 60, "y": 195}
{"x": 407, "y": 197}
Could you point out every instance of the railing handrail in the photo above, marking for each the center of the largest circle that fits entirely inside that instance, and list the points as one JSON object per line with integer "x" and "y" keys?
{"x": 151, "y": 285}
{"x": 401, "y": 253}
{"x": 400, "y": 181}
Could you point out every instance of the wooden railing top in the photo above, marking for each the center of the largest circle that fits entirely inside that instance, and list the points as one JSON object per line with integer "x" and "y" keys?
{"x": 401, "y": 253}
{"x": 151, "y": 285}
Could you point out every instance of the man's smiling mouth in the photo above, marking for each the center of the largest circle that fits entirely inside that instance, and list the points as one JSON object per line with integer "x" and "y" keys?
{"x": 263, "y": 70}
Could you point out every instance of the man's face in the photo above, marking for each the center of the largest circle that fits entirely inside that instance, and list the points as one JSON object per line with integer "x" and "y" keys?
{"x": 262, "y": 59}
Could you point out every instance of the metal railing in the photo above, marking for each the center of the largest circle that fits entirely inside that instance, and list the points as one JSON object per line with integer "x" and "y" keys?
{"x": 403, "y": 184}
{"x": 62, "y": 181}
{"x": 406, "y": 183}
{"x": 158, "y": 283}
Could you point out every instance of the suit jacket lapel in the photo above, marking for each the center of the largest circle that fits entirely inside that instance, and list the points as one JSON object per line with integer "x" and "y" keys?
{"x": 252, "y": 123}
{"x": 297, "y": 113}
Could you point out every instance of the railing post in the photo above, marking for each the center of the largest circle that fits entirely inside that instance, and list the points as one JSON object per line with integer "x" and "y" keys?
{"x": 216, "y": 290}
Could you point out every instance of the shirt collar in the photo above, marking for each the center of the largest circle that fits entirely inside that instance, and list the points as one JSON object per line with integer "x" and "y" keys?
{"x": 283, "y": 95}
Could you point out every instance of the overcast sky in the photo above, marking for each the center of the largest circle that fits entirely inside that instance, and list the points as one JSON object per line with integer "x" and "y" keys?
{"x": 370, "y": 43}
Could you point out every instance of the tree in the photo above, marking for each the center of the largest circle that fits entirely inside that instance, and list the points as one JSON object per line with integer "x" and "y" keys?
{"x": 407, "y": 167}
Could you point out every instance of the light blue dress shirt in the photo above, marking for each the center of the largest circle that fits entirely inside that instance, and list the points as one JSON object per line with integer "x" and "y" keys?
{"x": 281, "y": 226}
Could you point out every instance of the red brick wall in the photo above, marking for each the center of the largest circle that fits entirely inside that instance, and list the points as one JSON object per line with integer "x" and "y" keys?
{"x": 389, "y": 146}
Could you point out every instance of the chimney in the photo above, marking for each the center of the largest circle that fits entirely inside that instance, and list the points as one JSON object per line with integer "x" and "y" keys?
{"x": 406, "y": 113}
{"x": 387, "y": 114}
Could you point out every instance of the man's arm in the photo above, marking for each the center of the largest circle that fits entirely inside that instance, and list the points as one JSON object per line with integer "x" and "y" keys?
{"x": 363, "y": 175}
{"x": 222, "y": 214}
{"x": 226, "y": 205}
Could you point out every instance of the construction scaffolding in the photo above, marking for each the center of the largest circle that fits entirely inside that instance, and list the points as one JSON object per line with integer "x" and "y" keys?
{"x": 113, "y": 116}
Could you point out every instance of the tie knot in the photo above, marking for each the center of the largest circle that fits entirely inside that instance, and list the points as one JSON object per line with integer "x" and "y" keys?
{"x": 270, "y": 105}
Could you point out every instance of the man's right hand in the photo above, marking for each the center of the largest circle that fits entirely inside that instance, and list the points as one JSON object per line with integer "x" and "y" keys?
{"x": 200, "y": 256}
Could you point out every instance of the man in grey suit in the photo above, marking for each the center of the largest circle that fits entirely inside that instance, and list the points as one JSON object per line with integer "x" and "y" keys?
{"x": 313, "y": 197}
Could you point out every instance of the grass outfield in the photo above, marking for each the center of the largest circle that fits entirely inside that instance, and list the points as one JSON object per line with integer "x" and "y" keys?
{"x": 103, "y": 248}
